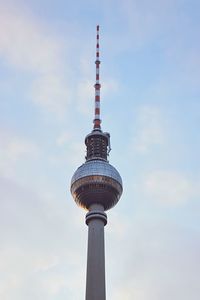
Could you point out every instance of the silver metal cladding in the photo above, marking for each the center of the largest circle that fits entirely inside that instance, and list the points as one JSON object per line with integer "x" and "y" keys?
{"x": 96, "y": 167}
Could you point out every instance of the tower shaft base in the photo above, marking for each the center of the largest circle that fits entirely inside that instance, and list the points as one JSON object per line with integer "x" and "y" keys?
{"x": 95, "y": 282}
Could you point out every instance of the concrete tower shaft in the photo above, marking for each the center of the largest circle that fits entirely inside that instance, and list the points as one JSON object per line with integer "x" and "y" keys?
{"x": 96, "y": 219}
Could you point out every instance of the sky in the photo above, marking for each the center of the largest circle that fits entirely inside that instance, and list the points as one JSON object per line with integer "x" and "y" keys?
{"x": 150, "y": 76}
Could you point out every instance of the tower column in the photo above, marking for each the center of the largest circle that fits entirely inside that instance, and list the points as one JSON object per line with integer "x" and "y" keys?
{"x": 96, "y": 186}
{"x": 96, "y": 219}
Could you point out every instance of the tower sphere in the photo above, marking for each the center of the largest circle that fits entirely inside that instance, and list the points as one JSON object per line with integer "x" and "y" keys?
{"x": 96, "y": 182}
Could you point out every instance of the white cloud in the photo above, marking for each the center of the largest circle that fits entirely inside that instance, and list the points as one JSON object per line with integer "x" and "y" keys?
{"x": 169, "y": 187}
{"x": 49, "y": 92}
{"x": 30, "y": 46}
{"x": 69, "y": 146}
{"x": 149, "y": 129}
{"x": 13, "y": 150}
{"x": 38, "y": 245}
{"x": 25, "y": 43}
{"x": 46, "y": 263}
{"x": 110, "y": 86}
{"x": 85, "y": 94}
{"x": 159, "y": 262}
{"x": 63, "y": 138}
{"x": 54, "y": 284}
{"x": 146, "y": 20}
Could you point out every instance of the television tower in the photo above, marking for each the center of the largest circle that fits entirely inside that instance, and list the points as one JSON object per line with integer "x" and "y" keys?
{"x": 96, "y": 186}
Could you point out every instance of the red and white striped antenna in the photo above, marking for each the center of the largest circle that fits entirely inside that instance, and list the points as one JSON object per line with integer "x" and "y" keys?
{"x": 97, "y": 120}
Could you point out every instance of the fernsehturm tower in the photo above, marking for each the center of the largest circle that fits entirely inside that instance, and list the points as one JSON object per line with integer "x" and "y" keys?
{"x": 96, "y": 186}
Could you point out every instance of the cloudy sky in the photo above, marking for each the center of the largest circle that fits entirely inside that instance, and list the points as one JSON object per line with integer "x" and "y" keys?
{"x": 150, "y": 75}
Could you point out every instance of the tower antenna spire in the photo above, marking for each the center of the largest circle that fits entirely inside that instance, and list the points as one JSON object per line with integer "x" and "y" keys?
{"x": 97, "y": 86}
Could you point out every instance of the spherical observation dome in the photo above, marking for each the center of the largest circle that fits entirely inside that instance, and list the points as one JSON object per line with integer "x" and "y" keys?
{"x": 96, "y": 182}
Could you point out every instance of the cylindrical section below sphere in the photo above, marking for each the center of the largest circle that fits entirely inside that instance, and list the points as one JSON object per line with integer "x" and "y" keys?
{"x": 96, "y": 182}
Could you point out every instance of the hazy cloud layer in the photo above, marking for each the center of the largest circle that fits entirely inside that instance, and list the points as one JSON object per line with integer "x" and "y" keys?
{"x": 150, "y": 99}
{"x": 150, "y": 130}
{"x": 29, "y": 46}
